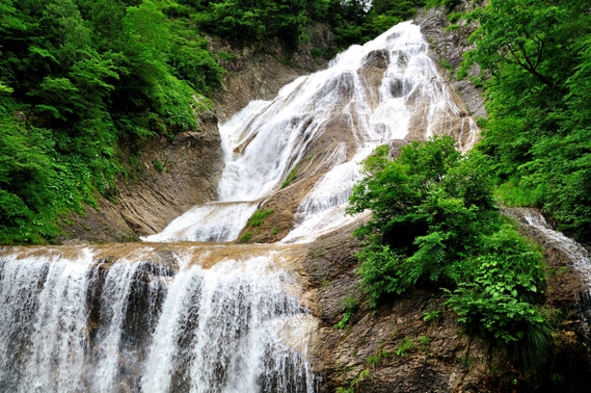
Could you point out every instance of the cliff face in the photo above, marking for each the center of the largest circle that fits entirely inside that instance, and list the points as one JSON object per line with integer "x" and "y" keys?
{"x": 168, "y": 177}
{"x": 447, "y": 47}
{"x": 414, "y": 344}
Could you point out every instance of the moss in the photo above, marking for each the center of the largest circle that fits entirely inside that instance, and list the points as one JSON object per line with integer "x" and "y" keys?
{"x": 291, "y": 177}
{"x": 246, "y": 237}
{"x": 259, "y": 217}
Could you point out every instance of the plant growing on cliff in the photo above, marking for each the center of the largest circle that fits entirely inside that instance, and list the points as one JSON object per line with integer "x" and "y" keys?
{"x": 405, "y": 345}
{"x": 434, "y": 223}
{"x": 350, "y": 305}
{"x": 259, "y": 217}
{"x": 290, "y": 178}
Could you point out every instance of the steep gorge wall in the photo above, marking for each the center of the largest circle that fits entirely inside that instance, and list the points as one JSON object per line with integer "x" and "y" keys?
{"x": 169, "y": 176}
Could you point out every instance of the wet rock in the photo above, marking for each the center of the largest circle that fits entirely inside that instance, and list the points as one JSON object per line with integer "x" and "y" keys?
{"x": 377, "y": 58}
{"x": 448, "y": 47}
{"x": 153, "y": 195}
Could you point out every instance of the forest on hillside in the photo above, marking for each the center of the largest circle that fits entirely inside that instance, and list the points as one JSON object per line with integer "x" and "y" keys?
{"x": 81, "y": 78}
{"x": 535, "y": 58}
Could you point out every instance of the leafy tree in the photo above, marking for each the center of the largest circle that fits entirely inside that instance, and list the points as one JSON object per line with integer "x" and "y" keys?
{"x": 535, "y": 58}
{"x": 83, "y": 76}
{"x": 434, "y": 222}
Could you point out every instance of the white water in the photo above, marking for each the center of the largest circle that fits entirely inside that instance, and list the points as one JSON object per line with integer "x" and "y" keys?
{"x": 578, "y": 255}
{"x": 69, "y": 325}
{"x": 266, "y": 140}
{"x": 86, "y": 324}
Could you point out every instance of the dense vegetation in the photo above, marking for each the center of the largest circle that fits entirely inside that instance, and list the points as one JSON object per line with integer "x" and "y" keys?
{"x": 536, "y": 61}
{"x": 79, "y": 78}
{"x": 434, "y": 223}
{"x": 356, "y": 24}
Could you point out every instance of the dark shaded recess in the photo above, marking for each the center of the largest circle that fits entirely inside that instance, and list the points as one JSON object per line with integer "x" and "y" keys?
{"x": 397, "y": 88}
{"x": 144, "y": 306}
{"x": 401, "y": 235}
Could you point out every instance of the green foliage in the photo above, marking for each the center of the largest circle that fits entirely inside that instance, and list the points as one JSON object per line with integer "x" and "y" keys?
{"x": 158, "y": 165}
{"x": 84, "y": 77}
{"x": 406, "y": 345}
{"x": 350, "y": 305}
{"x": 275, "y": 230}
{"x": 246, "y": 237}
{"x": 424, "y": 342}
{"x": 434, "y": 222}
{"x": 449, "y": 4}
{"x": 432, "y": 316}
{"x": 428, "y": 208}
{"x": 259, "y": 217}
{"x": 352, "y": 388}
{"x": 290, "y": 178}
{"x": 247, "y": 21}
{"x": 355, "y": 23}
{"x": 377, "y": 357}
{"x": 537, "y": 83}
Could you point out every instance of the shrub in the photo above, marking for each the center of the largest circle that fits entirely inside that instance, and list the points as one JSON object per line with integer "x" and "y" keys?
{"x": 434, "y": 221}
{"x": 350, "y": 305}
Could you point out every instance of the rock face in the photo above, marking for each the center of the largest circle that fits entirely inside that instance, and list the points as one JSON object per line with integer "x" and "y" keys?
{"x": 395, "y": 349}
{"x": 166, "y": 179}
{"x": 447, "y": 48}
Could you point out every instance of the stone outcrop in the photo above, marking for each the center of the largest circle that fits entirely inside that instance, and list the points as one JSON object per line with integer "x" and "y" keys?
{"x": 165, "y": 178}
{"x": 447, "y": 47}
{"x": 369, "y": 355}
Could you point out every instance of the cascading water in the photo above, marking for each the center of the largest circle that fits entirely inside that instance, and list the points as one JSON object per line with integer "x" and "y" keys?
{"x": 89, "y": 324}
{"x": 578, "y": 255}
{"x": 382, "y": 91}
{"x": 194, "y": 318}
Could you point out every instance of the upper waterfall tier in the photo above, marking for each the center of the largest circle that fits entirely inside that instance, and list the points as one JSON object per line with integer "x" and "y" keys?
{"x": 384, "y": 90}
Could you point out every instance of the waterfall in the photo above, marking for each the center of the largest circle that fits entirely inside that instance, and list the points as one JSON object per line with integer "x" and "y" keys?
{"x": 384, "y": 90}
{"x": 576, "y": 255}
{"x": 222, "y": 318}
{"x": 579, "y": 257}
{"x": 84, "y": 323}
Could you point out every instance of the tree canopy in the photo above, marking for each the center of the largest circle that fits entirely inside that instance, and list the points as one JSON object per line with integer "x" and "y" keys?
{"x": 536, "y": 59}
